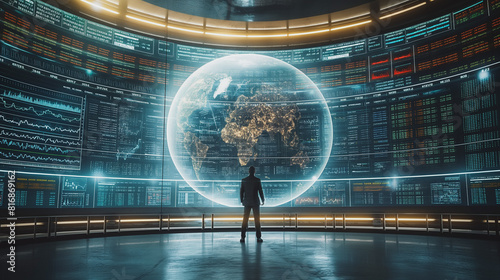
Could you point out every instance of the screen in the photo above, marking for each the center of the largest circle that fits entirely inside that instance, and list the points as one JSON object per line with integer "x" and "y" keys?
{"x": 97, "y": 117}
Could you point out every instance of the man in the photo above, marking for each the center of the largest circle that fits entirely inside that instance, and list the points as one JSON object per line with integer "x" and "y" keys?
{"x": 250, "y": 190}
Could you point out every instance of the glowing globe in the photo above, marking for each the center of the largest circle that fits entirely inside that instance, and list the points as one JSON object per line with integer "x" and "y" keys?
{"x": 244, "y": 110}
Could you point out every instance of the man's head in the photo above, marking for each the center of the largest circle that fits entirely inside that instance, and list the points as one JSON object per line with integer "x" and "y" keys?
{"x": 251, "y": 170}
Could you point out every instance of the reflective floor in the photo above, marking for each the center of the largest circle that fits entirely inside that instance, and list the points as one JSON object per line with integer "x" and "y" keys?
{"x": 283, "y": 255}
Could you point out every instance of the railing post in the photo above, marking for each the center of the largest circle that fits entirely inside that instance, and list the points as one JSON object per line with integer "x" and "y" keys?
{"x": 326, "y": 222}
{"x": 284, "y": 223}
{"x": 450, "y": 226}
{"x": 203, "y": 221}
{"x": 168, "y": 222}
{"x": 296, "y": 221}
{"x": 441, "y": 223}
{"x": 497, "y": 230}
{"x": 427, "y": 222}
{"x": 160, "y": 223}
{"x": 88, "y": 225}
{"x": 397, "y": 222}
{"x": 383, "y": 223}
{"x": 55, "y": 226}
{"x": 343, "y": 222}
{"x": 334, "y": 221}
{"x": 48, "y": 226}
{"x": 104, "y": 226}
{"x": 212, "y": 221}
{"x": 488, "y": 224}
{"x": 34, "y": 230}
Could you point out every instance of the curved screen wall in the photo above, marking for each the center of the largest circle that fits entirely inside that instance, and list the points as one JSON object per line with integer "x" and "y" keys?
{"x": 84, "y": 107}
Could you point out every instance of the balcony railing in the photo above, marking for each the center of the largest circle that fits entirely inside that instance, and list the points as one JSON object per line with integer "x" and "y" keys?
{"x": 36, "y": 227}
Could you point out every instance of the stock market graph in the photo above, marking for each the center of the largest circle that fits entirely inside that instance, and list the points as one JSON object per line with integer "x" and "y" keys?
{"x": 414, "y": 116}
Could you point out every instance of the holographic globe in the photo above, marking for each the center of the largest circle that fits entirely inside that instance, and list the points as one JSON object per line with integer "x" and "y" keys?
{"x": 244, "y": 110}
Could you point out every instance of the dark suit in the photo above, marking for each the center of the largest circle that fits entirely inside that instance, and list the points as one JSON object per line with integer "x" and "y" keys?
{"x": 250, "y": 190}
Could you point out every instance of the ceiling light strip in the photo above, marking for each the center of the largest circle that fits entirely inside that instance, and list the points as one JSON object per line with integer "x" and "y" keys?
{"x": 310, "y": 32}
{"x": 237, "y": 35}
{"x": 226, "y": 35}
{"x": 146, "y": 21}
{"x": 23, "y": 224}
{"x": 267, "y": 36}
{"x": 403, "y": 11}
{"x": 281, "y": 35}
{"x": 350, "y": 25}
{"x": 137, "y": 220}
{"x": 185, "y": 29}
{"x": 100, "y": 7}
{"x": 79, "y": 222}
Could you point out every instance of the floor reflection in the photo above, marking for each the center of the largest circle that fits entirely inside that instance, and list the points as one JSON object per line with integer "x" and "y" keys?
{"x": 283, "y": 255}
{"x": 251, "y": 261}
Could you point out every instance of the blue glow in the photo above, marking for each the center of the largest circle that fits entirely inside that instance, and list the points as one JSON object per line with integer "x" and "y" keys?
{"x": 484, "y": 74}
{"x": 393, "y": 183}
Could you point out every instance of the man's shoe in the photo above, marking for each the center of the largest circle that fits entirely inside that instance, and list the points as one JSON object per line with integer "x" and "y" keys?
{"x": 242, "y": 240}
{"x": 260, "y": 240}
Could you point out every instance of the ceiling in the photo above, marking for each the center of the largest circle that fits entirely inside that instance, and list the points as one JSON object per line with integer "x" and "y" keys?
{"x": 260, "y": 23}
{"x": 257, "y": 10}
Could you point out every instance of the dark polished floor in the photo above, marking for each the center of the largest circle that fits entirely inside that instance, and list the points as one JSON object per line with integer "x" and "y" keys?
{"x": 283, "y": 255}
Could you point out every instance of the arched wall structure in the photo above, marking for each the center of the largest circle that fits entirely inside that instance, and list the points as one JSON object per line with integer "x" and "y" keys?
{"x": 415, "y": 115}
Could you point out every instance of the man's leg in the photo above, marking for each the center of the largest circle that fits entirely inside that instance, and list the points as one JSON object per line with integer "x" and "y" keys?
{"x": 256, "y": 217}
{"x": 244, "y": 225}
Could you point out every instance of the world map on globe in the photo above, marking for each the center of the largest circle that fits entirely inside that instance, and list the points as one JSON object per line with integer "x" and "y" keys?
{"x": 244, "y": 110}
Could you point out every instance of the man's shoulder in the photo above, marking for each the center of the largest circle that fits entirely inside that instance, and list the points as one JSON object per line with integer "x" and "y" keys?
{"x": 250, "y": 178}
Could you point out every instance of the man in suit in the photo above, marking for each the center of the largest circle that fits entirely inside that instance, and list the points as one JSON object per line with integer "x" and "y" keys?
{"x": 250, "y": 190}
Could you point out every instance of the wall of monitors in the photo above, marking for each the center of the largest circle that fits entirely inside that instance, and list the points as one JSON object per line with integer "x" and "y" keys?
{"x": 84, "y": 110}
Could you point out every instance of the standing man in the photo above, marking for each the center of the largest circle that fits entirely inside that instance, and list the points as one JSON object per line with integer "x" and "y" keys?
{"x": 250, "y": 190}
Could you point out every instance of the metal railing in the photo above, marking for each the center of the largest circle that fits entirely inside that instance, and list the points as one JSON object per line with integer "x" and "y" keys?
{"x": 35, "y": 227}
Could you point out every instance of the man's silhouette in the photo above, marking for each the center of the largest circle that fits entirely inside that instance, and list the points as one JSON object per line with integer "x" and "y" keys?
{"x": 250, "y": 190}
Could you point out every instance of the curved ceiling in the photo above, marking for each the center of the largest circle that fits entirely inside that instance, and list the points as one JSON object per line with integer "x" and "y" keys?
{"x": 257, "y": 10}
{"x": 259, "y": 23}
